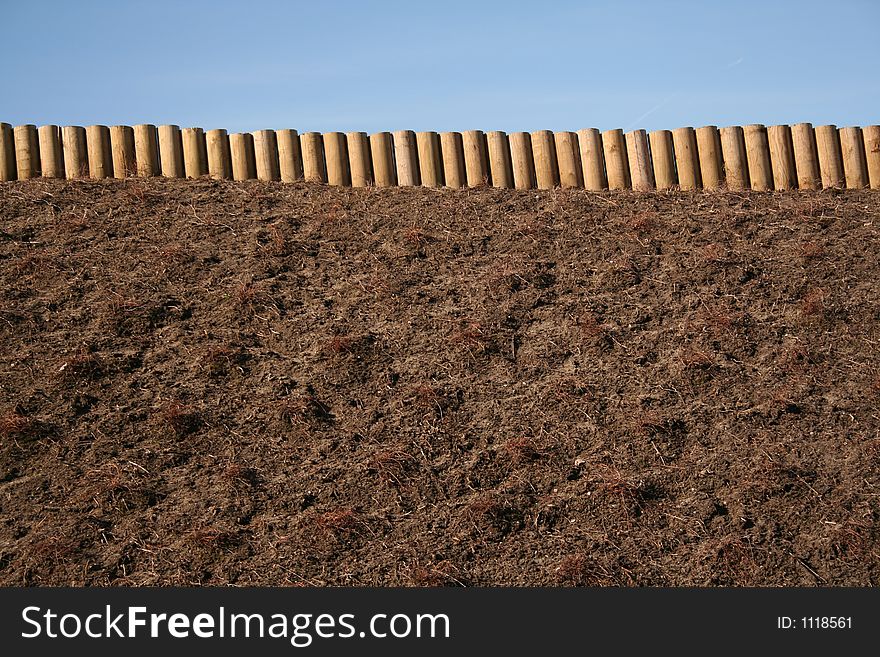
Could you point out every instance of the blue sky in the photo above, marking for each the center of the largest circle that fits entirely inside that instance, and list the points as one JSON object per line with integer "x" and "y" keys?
{"x": 325, "y": 65}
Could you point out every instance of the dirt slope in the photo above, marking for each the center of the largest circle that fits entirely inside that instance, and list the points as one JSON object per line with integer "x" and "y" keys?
{"x": 249, "y": 383}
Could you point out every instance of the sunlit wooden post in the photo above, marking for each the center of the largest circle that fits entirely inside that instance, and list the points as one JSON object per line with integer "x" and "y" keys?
{"x": 592, "y": 159}
{"x": 806, "y": 159}
{"x": 289, "y": 155}
{"x": 709, "y": 153}
{"x": 336, "y": 158}
{"x": 27, "y": 151}
{"x": 639, "y": 157}
{"x": 51, "y": 157}
{"x": 663, "y": 159}
{"x": 830, "y": 157}
{"x": 782, "y": 157}
{"x": 430, "y": 159}
{"x": 219, "y": 157}
{"x": 616, "y": 159}
{"x": 452, "y": 149}
{"x": 360, "y": 160}
{"x": 684, "y": 141}
{"x": 73, "y": 139}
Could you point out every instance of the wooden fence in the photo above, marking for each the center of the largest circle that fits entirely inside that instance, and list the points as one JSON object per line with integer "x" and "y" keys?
{"x": 754, "y": 157}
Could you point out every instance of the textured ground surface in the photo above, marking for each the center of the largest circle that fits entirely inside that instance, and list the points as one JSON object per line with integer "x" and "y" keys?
{"x": 249, "y": 383}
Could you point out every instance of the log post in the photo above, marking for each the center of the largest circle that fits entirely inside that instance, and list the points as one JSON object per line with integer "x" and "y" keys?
{"x": 641, "y": 172}
{"x": 736, "y": 165}
{"x": 758, "y": 156}
{"x": 544, "y": 155}
{"x": 289, "y": 155}
{"x": 663, "y": 159}
{"x": 568, "y": 160}
{"x": 122, "y": 151}
{"x": 592, "y": 159}
{"x": 452, "y": 149}
{"x": 171, "y": 151}
{"x": 219, "y": 157}
{"x": 360, "y": 160}
{"x": 195, "y": 152}
{"x": 51, "y": 157}
{"x": 709, "y": 154}
{"x": 336, "y": 158}
{"x": 314, "y": 167}
{"x": 522, "y": 163}
{"x": 806, "y": 159}
{"x": 241, "y": 149}
{"x": 76, "y": 163}
{"x": 146, "y": 147}
{"x": 430, "y": 159}
{"x": 8, "y": 170}
{"x": 266, "y": 155}
{"x": 830, "y": 157}
{"x": 98, "y": 148}
{"x": 871, "y": 134}
{"x": 782, "y": 157}
{"x": 500, "y": 164}
{"x": 684, "y": 141}
{"x": 382, "y": 150}
{"x": 27, "y": 151}
{"x": 407, "y": 158}
{"x": 476, "y": 160}
{"x": 616, "y": 159}
{"x": 855, "y": 166}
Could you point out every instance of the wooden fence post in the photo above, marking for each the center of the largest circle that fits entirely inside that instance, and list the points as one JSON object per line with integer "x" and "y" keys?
{"x": 709, "y": 154}
{"x": 476, "y": 158}
{"x": 500, "y": 164}
{"x": 8, "y": 170}
{"x": 98, "y": 148}
{"x": 544, "y": 155}
{"x": 27, "y": 151}
{"x": 195, "y": 152}
{"x": 806, "y": 159}
{"x": 641, "y": 172}
{"x": 266, "y": 155}
{"x": 855, "y": 166}
{"x": 314, "y": 166}
{"x": 382, "y": 150}
{"x": 219, "y": 157}
{"x": 592, "y": 159}
{"x": 241, "y": 149}
{"x": 830, "y": 157}
{"x": 146, "y": 150}
{"x": 76, "y": 163}
{"x": 360, "y": 161}
{"x": 733, "y": 150}
{"x": 758, "y": 156}
{"x": 407, "y": 158}
{"x": 872, "y": 154}
{"x": 521, "y": 160}
{"x": 782, "y": 157}
{"x": 452, "y": 149}
{"x": 289, "y": 155}
{"x": 684, "y": 141}
{"x": 336, "y": 159}
{"x": 663, "y": 159}
{"x": 51, "y": 158}
{"x": 616, "y": 159}
{"x": 171, "y": 151}
{"x": 122, "y": 151}
{"x": 568, "y": 160}
{"x": 430, "y": 159}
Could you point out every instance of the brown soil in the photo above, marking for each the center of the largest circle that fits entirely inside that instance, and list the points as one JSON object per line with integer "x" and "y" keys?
{"x": 256, "y": 384}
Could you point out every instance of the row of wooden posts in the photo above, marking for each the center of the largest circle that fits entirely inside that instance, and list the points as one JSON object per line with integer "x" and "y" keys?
{"x": 752, "y": 157}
